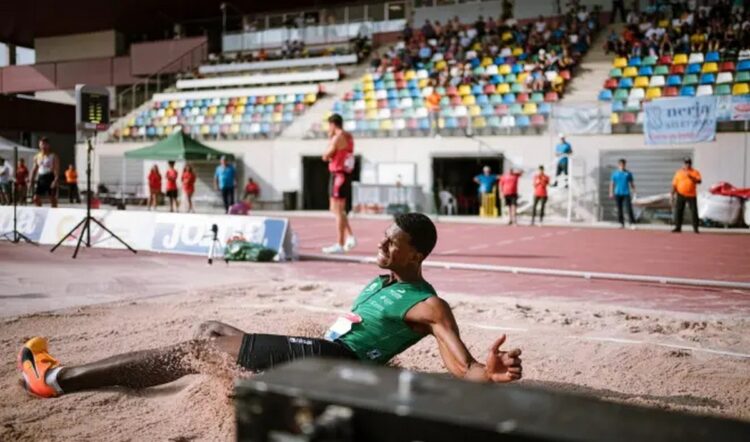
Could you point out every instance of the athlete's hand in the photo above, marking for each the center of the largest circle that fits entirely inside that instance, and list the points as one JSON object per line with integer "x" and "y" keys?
{"x": 503, "y": 366}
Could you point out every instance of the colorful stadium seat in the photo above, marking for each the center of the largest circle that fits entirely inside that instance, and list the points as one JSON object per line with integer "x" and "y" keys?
{"x": 740, "y": 89}
{"x": 704, "y": 89}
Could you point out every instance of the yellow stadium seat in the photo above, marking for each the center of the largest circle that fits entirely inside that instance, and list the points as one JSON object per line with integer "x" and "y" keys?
{"x": 423, "y": 83}
{"x": 680, "y": 59}
{"x": 503, "y": 88}
{"x": 370, "y": 95}
{"x": 529, "y": 109}
{"x": 367, "y": 87}
{"x": 486, "y": 61}
{"x": 310, "y": 98}
{"x": 367, "y": 78}
{"x": 441, "y": 65}
{"x": 630, "y": 71}
{"x": 620, "y": 62}
{"x": 239, "y": 110}
{"x": 168, "y": 130}
{"x": 479, "y": 123}
{"x": 477, "y": 46}
{"x": 386, "y": 125}
{"x": 169, "y": 112}
{"x": 641, "y": 82}
{"x": 469, "y": 100}
{"x": 517, "y": 51}
{"x": 205, "y": 129}
{"x": 125, "y": 131}
{"x": 504, "y": 69}
{"x": 410, "y": 75}
{"x": 237, "y": 118}
{"x": 371, "y": 104}
{"x": 664, "y": 23}
{"x": 740, "y": 89}
{"x": 507, "y": 36}
{"x": 475, "y": 110}
{"x": 614, "y": 118}
{"x": 653, "y": 92}
{"x": 271, "y": 99}
{"x": 710, "y": 68}
{"x": 464, "y": 89}
{"x": 372, "y": 114}
{"x": 521, "y": 78}
{"x": 234, "y": 129}
{"x": 131, "y": 122}
{"x": 242, "y": 101}
{"x": 212, "y": 110}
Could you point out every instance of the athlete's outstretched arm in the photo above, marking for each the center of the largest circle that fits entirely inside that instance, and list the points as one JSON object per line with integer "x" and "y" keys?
{"x": 436, "y": 316}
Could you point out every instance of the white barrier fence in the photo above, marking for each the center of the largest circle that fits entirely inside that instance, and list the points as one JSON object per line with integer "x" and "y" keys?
{"x": 151, "y": 231}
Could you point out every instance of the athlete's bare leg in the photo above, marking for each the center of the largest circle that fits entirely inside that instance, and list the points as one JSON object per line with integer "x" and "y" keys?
{"x": 338, "y": 208}
{"x": 147, "y": 368}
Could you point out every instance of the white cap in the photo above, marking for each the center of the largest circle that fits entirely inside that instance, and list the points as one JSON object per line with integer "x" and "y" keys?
{"x": 561, "y": 135}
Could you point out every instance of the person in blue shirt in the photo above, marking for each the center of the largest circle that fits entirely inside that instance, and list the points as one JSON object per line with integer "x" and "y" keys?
{"x": 225, "y": 180}
{"x": 563, "y": 150}
{"x": 621, "y": 188}
{"x": 486, "y": 181}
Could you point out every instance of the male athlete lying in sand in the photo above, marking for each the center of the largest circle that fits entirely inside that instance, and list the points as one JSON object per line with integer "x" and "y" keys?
{"x": 391, "y": 314}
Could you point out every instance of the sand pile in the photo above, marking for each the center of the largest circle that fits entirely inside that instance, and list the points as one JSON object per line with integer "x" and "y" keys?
{"x": 652, "y": 358}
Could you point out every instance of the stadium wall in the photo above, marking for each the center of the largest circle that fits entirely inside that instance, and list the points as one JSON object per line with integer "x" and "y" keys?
{"x": 79, "y": 46}
{"x": 277, "y": 164}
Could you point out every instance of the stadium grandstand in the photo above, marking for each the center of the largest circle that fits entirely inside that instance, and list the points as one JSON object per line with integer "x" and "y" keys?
{"x": 451, "y": 88}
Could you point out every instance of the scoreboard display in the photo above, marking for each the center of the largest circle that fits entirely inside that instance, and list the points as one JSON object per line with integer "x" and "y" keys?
{"x": 92, "y": 108}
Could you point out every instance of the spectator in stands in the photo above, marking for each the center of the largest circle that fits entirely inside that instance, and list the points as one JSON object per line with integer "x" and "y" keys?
{"x": 684, "y": 190}
{"x": 71, "y": 179}
{"x": 45, "y": 174}
{"x": 541, "y": 181}
{"x": 225, "y": 181}
{"x": 154, "y": 187}
{"x": 563, "y": 150}
{"x": 486, "y": 181}
{"x": 427, "y": 30}
{"x": 6, "y": 173}
{"x": 171, "y": 175}
{"x": 621, "y": 185}
{"x": 433, "y": 105}
{"x": 252, "y": 191}
{"x": 188, "y": 186}
{"x": 22, "y": 181}
{"x": 509, "y": 185}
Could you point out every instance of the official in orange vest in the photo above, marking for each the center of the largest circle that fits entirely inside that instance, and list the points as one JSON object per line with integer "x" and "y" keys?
{"x": 685, "y": 190}
{"x": 71, "y": 179}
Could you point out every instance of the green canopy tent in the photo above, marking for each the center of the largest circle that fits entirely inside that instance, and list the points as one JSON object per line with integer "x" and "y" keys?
{"x": 177, "y": 147}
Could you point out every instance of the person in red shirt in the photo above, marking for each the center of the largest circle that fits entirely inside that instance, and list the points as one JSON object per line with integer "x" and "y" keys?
{"x": 188, "y": 185}
{"x": 252, "y": 191}
{"x": 154, "y": 186}
{"x": 171, "y": 175}
{"x": 509, "y": 185}
{"x": 22, "y": 182}
{"x": 541, "y": 181}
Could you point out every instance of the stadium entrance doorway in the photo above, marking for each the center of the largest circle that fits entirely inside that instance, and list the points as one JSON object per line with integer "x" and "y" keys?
{"x": 315, "y": 182}
{"x": 455, "y": 174}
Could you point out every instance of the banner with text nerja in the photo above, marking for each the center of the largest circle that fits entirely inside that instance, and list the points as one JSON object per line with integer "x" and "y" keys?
{"x": 680, "y": 120}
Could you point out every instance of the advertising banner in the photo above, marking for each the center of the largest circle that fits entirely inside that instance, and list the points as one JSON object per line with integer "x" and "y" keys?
{"x": 680, "y": 120}
{"x": 30, "y": 221}
{"x": 582, "y": 118}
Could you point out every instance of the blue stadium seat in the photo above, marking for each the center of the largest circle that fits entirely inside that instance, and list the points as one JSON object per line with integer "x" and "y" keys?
{"x": 544, "y": 108}
{"x": 517, "y": 68}
{"x": 424, "y": 123}
{"x": 523, "y": 121}
{"x": 626, "y": 83}
{"x": 509, "y": 98}
{"x": 496, "y": 79}
{"x": 634, "y": 61}
{"x": 708, "y": 79}
{"x": 744, "y": 65}
{"x": 687, "y": 91}
{"x": 605, "y": 95}
{"x": 482, "y": 100}
{"x": 712, "y": 57}
{"x": 674, "y": 80}
{"x": 451, "y": 123}
{"x": 618, "y": 106}
{"x": 477, "y": 89}
{"x": 694, "y": 68}
{"x": 646, "y": 71}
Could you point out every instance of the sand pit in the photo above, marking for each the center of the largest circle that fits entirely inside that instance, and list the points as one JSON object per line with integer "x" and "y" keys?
{"x": 589, "y": 349}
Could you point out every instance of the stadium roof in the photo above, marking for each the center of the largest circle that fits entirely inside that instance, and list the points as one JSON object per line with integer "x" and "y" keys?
{"x": 23, "y": 20}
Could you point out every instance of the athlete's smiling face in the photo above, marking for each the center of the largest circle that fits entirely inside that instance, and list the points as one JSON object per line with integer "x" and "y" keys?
{"x": 395, "y": 251}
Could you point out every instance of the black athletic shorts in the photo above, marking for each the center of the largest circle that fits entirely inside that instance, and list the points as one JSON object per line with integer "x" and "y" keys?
{"x": 44, "y": 185}
{"x": 171, "y": 193}
{"x": 260, "y": 352}
{"x": 511, "y": 200}
{"x": 340, "y": 185}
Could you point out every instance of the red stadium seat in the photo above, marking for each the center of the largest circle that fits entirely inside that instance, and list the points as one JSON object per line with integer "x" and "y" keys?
{"x": 522, "y": 98}
{"x": 451, "y": 91}
{"x": 551, "y": 97}
{"x": 501, "y": 110}
{"x": 677, "y": 69}
{"x": 670, "y": 92}
{"x": 728, "y": 66}
{"x": 538, "y": 120}
{"x": 565, "y": 74}
{"x": 665, "y": 59}
{"x": 489, "y": 89}
{"x": 611, "y": 83}
{"x": 627, "y": 118}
